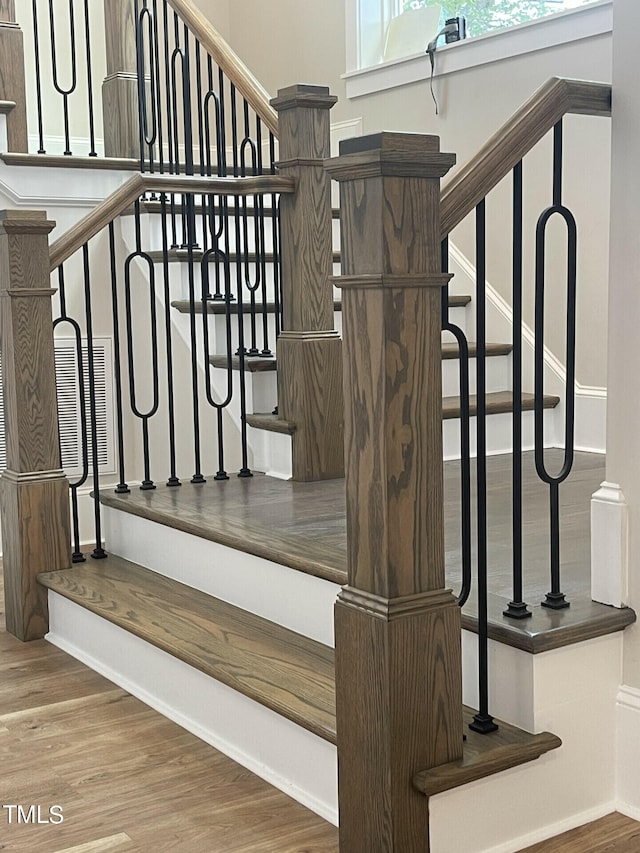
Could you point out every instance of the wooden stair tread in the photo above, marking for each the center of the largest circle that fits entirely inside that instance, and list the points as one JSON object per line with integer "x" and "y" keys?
{"x": 71, "y": 161}
{"x": 498, "y": 402}
{"x": 271, "y": 423}
{"x": 484, "y": 755}
{"x": 284, "y": 671}
{"x": 218, "y": 306}
{"x": 281, "y": 670}
{"x": 258, "y": 364}
{"x": 252, "y": 363}
{"x": 180, "y": 255}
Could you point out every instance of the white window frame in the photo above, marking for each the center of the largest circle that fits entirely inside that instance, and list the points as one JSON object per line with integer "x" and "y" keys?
{"x": 559, "y": 28}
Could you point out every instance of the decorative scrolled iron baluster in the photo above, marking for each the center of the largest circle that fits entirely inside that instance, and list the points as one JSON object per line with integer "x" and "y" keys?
{"x": 555, "y": 599}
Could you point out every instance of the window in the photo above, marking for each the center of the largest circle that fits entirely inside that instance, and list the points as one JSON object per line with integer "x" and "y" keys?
{"x": 386, "y": 39}
{"x": 484, "y": 16}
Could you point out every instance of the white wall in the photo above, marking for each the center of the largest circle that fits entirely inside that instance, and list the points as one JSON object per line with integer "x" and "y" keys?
{"x": 306, "y": 43}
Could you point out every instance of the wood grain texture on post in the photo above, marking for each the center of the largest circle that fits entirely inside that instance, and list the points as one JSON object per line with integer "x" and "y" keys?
{"x": 309, "y": 349}
{"x": 120, "y": 86}
{"x": 12, "y": 76}
{"x": 397, "y": 629}
{"x": 34, "y": 489}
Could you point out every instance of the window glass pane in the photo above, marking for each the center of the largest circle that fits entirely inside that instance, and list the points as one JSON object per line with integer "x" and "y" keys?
{"x": 486, "y": 15}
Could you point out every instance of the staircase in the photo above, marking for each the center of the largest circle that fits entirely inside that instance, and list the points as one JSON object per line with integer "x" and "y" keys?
{"x": 214, "y": 601}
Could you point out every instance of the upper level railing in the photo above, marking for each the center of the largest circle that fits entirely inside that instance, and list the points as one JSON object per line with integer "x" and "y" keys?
{"x": 175, "y": 96}
{"x": 467, "y": 193}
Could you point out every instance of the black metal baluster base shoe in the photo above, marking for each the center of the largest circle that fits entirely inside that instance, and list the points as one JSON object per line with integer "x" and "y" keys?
{"x": 483, "y": 723}
{"x": 555, "y": 601}
{"x": 517, "y": 610}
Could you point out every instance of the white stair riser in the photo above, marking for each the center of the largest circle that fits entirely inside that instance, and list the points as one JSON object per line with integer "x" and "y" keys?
{"x": 298, "y": 601}
{"x": 499, "y": 434}
{"x": 287, "y": 756}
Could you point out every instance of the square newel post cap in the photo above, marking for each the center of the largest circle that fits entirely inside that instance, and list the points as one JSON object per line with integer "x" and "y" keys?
{"x": 390, "y": 154}
{"x": 25, "y": 222}
{"x": 303, "y": 95}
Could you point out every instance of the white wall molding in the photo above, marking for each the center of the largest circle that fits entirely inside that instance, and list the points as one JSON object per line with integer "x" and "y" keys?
{"x": 628, "y": 752}
{"x": 585, "y": 22}
{"x": 609, "y": 545}
{"x": 80, "y": 145}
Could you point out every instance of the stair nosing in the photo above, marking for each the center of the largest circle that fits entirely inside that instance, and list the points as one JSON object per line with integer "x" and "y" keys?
{"x": 482, "y": 754}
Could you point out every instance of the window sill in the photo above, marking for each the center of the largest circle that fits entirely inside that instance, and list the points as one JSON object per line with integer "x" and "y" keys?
{"x": 561, "y": 28}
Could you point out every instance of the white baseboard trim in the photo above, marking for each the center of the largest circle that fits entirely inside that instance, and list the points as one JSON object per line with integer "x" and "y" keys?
{"x": 285, "y": 755}
{"x": 628, "y": 751}
{"x": 299, "y": 601}
{"x": 554, "y": 829}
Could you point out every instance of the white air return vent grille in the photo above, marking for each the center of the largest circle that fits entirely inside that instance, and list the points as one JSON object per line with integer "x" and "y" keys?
{"x": 69, "y": 406}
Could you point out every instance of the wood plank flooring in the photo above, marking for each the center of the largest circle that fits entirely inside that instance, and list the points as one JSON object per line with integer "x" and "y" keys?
{"x": 128, "y": 780}
{"x": 614, "y": 833}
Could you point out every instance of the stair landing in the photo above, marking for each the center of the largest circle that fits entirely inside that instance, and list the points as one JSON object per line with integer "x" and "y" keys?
{"x": 302, "y": 526}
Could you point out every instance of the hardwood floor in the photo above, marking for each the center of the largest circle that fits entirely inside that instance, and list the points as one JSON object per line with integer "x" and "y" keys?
{"x": 127, "y": 779}
{"x": 614, "y": 833}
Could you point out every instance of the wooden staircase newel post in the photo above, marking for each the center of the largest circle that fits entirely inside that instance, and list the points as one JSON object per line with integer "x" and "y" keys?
{"x": 34, "y": 492}
{"x": 12, "y": 86}
{"x": 309, "y": 350}
{"x": 120, "y": 86}
{"x": 397, "y": 629}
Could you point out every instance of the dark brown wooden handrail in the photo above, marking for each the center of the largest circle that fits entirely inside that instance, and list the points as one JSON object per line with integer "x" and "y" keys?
{"x": 473, "y": 181}
{"x": 235, "y": 69}
{"x": 132, "y": 189}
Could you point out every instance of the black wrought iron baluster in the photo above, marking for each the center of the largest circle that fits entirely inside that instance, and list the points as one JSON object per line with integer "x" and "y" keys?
{"x": 36, "y": 45}
{"x": 87, "y": 42}
{"x": 209, "y": 205}
{"x": 187, "y": 106}
{"x": 555, "y": 599}
{"x": 169, "y": 102}
{"x": 260, "y": 213}
{"x": 221, "y": 258}
{"x": 222, "y": 149}
{"x": 193, "y": 339}
{"x": 517, "y": 608}
{"x": 173, "y": 479}
{"x": 122, "y": 486}
{"x": 275, "y": 233}
{"x": 98, "y": 552}
{"x": 482, "y": 721}
{"x": 177, "y": 54}
{"x": 199, "y": 106}
{"x": 77, "y": 556}
{"x": 251, "y": 285}
{"x": 158, "y": 89}
{"x": 233, "y": 107}
{"x": 70, "y": 89}
{"x": 245, "y": 471}
{"x": 465, "y": 444}
{"x": 148, "y": 130}
{"x": 143, "y": 416}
